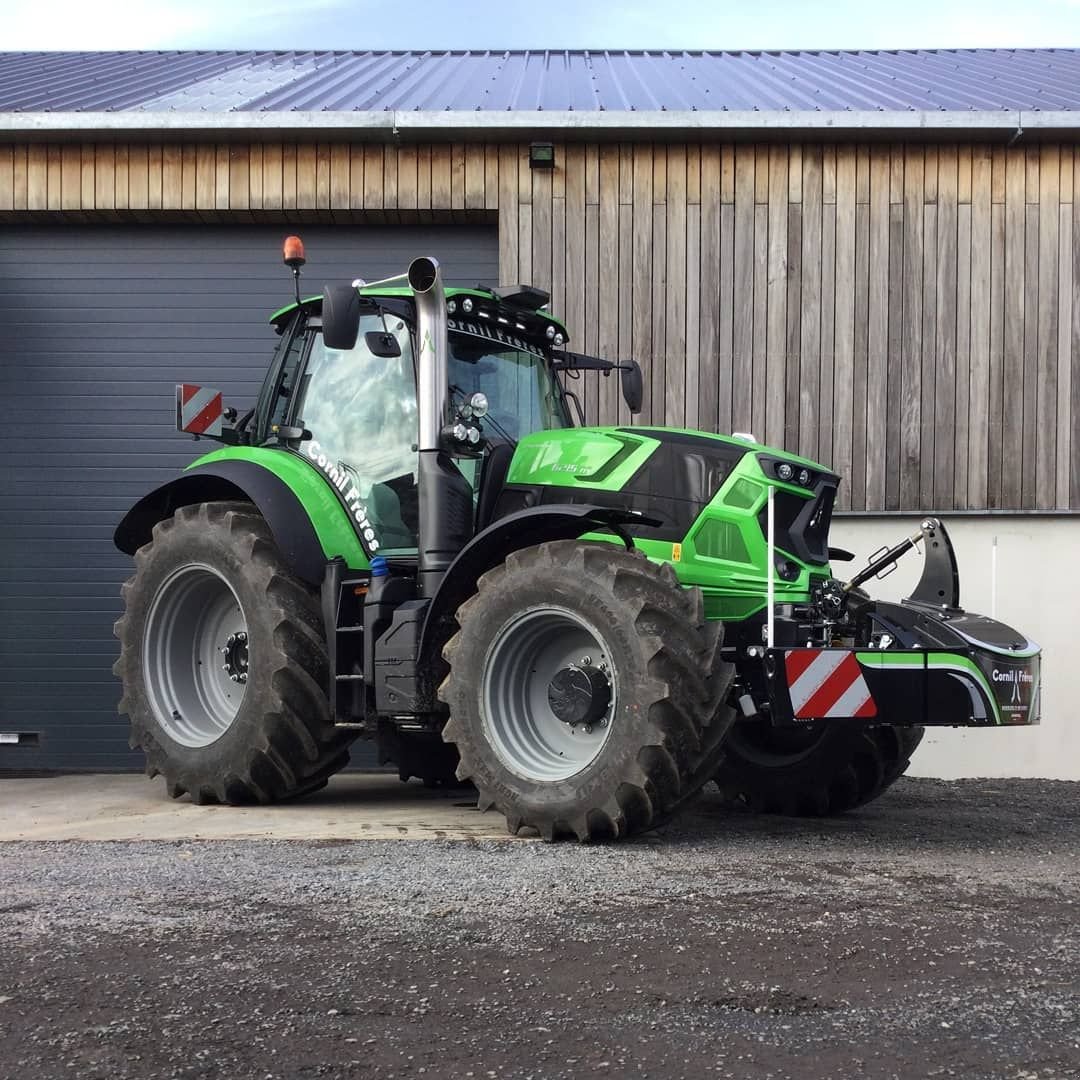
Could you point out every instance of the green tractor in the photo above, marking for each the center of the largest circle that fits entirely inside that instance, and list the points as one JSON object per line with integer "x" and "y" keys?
{"x": 413, "y": 537}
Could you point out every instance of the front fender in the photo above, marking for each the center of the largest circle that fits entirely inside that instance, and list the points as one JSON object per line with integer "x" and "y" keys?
{"x": 526, "y": 528}
{"x": 308, "y": 523}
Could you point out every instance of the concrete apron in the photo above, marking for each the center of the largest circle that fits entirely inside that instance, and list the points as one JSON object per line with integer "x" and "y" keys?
{"x": 352, "y": 807}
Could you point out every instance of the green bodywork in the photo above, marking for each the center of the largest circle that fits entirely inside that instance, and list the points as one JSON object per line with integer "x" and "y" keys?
{"x": 328, "y": 517}
{"x": 724, "y": 551}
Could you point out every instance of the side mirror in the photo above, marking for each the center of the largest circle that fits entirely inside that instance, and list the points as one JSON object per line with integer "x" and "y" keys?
{"x": 381, "y": 344}
{"x": 632, "y": 386}
{"x": 340, "y": 316}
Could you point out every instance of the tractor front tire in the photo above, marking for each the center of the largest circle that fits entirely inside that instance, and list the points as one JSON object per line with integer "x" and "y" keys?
{"x": 585, "y": 691}
{"x": 817, "y": 770}
{"x": 223, "y": 662}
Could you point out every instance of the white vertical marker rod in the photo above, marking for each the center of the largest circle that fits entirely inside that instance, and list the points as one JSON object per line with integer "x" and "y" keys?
{"x": 770, "y": 587}
{"x": 993, "y": 579}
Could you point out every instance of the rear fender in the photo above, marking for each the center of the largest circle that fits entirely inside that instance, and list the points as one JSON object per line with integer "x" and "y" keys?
{"x": 308, "y": 523}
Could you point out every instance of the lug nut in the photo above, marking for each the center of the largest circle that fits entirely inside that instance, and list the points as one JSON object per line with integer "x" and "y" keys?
{"x": 234, "y": 677}
{"x": 241, "y": 636}
{"x": 224, "y": 667}
{"x": 243, "y": 678}
{"x": 586, "y": 661}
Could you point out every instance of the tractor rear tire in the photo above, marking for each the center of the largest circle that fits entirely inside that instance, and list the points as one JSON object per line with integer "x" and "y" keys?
{"x": 815, "y": 771}
{"x": 223, "y": 662}
{"x": 646, "y": 679}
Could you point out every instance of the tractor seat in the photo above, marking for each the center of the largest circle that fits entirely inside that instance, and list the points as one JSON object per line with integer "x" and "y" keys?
{"x": 384, "y": 510}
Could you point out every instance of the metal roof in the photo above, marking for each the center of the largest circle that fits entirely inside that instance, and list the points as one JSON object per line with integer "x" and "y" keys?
{"x": 953, "y": 87}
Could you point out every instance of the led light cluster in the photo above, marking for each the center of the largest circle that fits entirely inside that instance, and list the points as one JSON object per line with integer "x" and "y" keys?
{"x": 791, "y": 475}
{"x": 468, "y": 306}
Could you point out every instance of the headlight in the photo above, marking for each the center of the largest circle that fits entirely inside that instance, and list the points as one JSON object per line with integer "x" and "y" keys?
{"x": 478, "y": 403}
{"x": 784, "y": 471}
{"x": 451, "y": 307}
{"x": 550, "y": 332}
{"x": 467, "y": 305}
{"x": 804, "y": 477}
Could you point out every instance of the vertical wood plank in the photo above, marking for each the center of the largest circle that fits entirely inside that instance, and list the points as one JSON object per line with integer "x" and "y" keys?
{"x": 55, "y": 171}
{"x": 508, "y": 213}
{"x": 120, "y": 178}
{"x": 675, "y": 315}
{"x": 273, "y": 176}
{"x": 861, "y": 344}
{"x": 657, "y": 388}
{"x": 877, "y": 329}
{"x": 930, "y": 359}
{"x": 979, "y": 370}
{"x": 895, "y": 390}
{"x": 574, "y": 185}
{"x": 441, "y": 178}
{"x": 710, "y": 300}
{"x": 37, "y": 177}
{"x": 995, "y": 412}
{"x": 1028, "y": 486}
{"x": 609, "y": 290}
{"x": 760, "y": 324}
{"x": 844, "y": 327}
{"x": 911, "y": 362}
{"x": 474, "y": 177}
{"x": 307, "y": 176}
{"x": 457, "y": 176}
{"x": 775, "y": 388}
{"x": 221, "y": 176}
{"x": 390, "y": 178}
{"x": 944, "y": 373}
{"x": 423, "y": 181}
{"x": 340, "y": 181}
{"x": 1066, "y": 306}
{"x": 139, "y": 177}
{"x": 793, "y": 311}
{"x": 205, "y": 176}
{"x": 828, "y": 327}
{"x": 255, "y": 177}
{"x": 322, "y": 176}
{"x": 742, "y": 387}
{"x": 406, "y": 179}
{"x": 373, "y": 176}
{"x": 1046, "y": 387}
{"x": 643, "y": 251}
{"x": 172, "y": 179}
{"x": 103, "y": 191}
{"x": 288, "y": 176}
{"x": 815, "y": 365}
{"x": 239, "y": 177}
{"x": 963, "y": 350}
{"x": 491, "y": 177}
{"x": 7, "y": 178}
{"x": 1012, "y": 437}
{"x": 694, "y": 365}
{"x": 727, "y": 174}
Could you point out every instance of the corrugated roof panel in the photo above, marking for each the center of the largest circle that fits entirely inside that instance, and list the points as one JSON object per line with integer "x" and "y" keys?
{"x": 950, "y": 80}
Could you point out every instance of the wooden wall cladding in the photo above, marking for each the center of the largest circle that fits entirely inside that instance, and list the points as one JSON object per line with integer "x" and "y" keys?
{"x": 904, "y": 313}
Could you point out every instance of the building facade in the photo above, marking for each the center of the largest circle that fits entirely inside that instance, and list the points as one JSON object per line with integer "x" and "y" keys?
{"x": 889, "y": 290}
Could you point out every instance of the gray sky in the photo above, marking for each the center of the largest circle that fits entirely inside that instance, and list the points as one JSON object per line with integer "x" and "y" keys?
{"x": 497, "y": 24}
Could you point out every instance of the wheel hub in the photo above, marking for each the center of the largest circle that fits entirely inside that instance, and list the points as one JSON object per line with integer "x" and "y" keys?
{"x": 235, "y": 653}
{"x": 579, "y": 695}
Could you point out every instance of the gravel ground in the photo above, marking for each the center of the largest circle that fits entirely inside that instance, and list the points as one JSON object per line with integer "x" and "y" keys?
{"x": 931, "y": 934}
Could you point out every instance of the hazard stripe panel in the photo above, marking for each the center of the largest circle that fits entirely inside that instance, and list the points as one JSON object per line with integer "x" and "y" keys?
{"x": 199, "y": 409}
{"x": 827, "y": 684}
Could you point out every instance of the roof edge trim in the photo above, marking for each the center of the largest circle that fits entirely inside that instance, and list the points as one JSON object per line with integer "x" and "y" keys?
{"x": 396, "y": 124}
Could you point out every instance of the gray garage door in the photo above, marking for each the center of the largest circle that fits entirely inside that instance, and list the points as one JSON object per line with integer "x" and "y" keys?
{"x": 99, "y": 324}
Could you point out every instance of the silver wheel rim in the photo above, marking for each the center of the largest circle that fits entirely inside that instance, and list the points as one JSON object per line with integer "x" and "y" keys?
{"x": 528, "y": 651}
{"x": 195, "y": 655}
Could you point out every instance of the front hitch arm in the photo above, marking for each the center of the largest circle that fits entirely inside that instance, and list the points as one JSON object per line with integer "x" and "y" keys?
{"x": 939, "y": 585}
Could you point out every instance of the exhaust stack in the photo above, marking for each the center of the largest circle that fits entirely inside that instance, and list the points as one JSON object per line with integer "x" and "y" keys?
{"x": 445, "y": 498}
{"x": 425, "y": 280}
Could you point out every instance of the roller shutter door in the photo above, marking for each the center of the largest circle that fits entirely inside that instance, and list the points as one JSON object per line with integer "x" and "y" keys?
{"x": 99, "y": 324}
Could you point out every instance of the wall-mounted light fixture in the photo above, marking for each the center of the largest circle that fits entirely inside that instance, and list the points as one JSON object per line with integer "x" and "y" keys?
{"x": 541, "y": 155}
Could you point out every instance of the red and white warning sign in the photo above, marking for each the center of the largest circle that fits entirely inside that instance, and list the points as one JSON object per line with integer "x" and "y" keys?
{"x": 199, "y": 409}
{"x": 827, "y": 683}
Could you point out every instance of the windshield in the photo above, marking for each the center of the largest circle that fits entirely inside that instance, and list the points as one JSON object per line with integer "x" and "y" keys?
{"x": 522, "y": 392}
